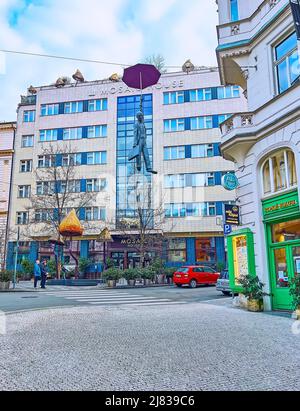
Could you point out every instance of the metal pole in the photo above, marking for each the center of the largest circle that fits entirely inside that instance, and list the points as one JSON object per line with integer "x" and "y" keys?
{"x": 16, "y": 260}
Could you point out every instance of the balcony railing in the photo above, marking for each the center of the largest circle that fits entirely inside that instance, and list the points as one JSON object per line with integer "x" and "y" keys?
{"x": 237, "y": 121}
{"x": 28, "y": 100}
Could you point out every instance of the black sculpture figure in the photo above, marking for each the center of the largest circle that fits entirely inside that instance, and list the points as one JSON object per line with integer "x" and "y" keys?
{"x": 140, "y": 145}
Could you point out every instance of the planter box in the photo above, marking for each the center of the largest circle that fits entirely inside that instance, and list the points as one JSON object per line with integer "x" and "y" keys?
{"x": 111, "y": 283}
{"x": 131, "y": 283}
{"x": 255, "y": 305}
{"x": 147, "y": 282}
{"x": 4, "y": 286}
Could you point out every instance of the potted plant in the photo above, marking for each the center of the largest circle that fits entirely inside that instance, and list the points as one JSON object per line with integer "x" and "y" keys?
{"x": 5, "y": 279}
{"x": 147, "y": 275}
{"x": 295, "y": 294}
{"x": 159, "y": 270}
{"x": 169, "y": 272}
{"x": 131, "y": 275}
{"x": 27, "y": 268}
{"x": 112, "y": 275}
{"x": 253, "y": 291}
{"x": 84, "y": 264}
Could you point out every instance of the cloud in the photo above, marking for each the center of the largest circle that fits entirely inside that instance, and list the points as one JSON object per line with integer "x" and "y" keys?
{"x": 122, "y": 31}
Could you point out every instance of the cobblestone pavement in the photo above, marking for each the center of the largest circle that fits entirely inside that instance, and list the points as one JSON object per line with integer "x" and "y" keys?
{"x": 186, "y": 347}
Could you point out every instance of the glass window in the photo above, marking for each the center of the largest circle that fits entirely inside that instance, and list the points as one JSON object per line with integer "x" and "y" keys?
{"x": 175, "y": 97}
{"x": 72, "y": 133}
{"x": 98, "y": 157}
{"x": 177, "y": 250}
{"x": 199, "y": 123}
{"x": 205, "y": 250}
{"x": 46, "y": 161}
{"x": 202, "y": 150}
{"x": 97, "y": 131}
{"x": 49, "y": 109}
{"x": 174, "y": 125}
{"x": 48, "y": 135}
{"x": 228, "y": 92}
{"x": 287, "y": 231}
{"x": 29, "y": 116}
{"x": 22, "y": 218}
{"x": 287, "y": 63}
{"x": 279, "y": 172}
{"x": 71, "y": 159}
{"x": 73, "y": 107}
{"x": 234, "y": 10}
{"x": 25, "y": 166}
{"x": 27, "y": 141}
{"x": 24, "y": 191}
{"x": 174, "y": 153}
{"x": 97, "y": 105}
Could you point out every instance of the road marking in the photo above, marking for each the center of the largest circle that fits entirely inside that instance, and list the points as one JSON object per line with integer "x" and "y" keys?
{"x": 86, "y": 299}
{"x": 124, "y": 302}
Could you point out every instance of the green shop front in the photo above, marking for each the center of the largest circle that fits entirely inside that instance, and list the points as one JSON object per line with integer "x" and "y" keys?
{"x": 281, "y": 219}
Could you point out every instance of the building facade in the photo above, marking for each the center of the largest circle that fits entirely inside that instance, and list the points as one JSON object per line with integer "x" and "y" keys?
{"x": 7, "y": 132}
{"x": 90, "y": 126}
{"x": 258, "y": 50}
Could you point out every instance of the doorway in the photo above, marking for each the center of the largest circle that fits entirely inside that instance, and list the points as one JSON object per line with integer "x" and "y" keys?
{"x": 284, "y": 256}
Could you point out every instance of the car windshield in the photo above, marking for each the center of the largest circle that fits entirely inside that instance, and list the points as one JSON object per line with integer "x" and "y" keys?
{"x": 183, "y": 269}
{"x": 224, "y": 274}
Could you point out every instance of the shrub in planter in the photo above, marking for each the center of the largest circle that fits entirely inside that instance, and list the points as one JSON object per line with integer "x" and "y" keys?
{"x": 28, "y": 268}
{"x": 253, "y": 291}
{"x": 84, "y": 264}
{"x": 5, "y": 279}
{"x": 131, "y": 275}
{"x": 147, "y": 274}
{"x": 169, "y": 271}
{"x": 112, "y": 275}
{"x": 295, "y": 294}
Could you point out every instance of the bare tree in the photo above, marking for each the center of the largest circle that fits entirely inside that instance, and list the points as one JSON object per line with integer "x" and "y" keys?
{"x": 146, "y": 230}
{"x": 58, "y": 190}
{"x": 158, "y": 61}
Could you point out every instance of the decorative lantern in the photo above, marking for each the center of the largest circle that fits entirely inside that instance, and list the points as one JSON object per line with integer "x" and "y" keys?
{"x": 70, "y": 226}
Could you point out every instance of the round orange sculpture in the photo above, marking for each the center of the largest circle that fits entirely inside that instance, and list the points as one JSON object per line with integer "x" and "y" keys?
{"x": 70, "y": 226}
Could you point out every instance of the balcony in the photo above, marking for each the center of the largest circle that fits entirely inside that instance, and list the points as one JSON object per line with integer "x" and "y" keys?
{"x": 28, "y": 101}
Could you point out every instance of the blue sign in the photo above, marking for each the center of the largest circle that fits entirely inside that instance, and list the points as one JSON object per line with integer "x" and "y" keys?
{"x": 230, "y": 181}
{"x": 227, "y": 229}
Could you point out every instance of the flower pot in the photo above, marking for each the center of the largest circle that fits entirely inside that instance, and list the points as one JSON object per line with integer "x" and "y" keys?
{"x": 4, "y": 285}
{"x": 147, "y": 282}
{"x": 111, "y": 283}
{"x": 160, "y": 279}
{"x": 170, "y": 280}
{"x": 131, "y": 283}
{"x": 255, "y": 305}
{"x": 297, "y": 313}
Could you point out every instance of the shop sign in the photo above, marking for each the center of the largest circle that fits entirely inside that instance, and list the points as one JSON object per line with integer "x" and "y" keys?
{"x": 282, "y": 204}
{"x": 232, "y": 214}
{"x": 230, "y": 181}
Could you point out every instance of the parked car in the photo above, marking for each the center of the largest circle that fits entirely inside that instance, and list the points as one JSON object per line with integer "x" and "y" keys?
{"x": 223, "y": 283}
{"x": 195, "y": 275}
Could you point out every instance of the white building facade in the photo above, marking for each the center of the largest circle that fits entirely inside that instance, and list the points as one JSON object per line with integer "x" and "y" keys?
{"x": 258, "y": 50}
{"x": 91, "y": 124}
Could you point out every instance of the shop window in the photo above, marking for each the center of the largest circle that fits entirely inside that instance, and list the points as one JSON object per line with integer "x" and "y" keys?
{"x": 177, "y": 250}
{"x": 287, "y": 231}
{"x": 205, "y": 250}
{"x": 240, "y": 257}
{"x": 279, "y": 172}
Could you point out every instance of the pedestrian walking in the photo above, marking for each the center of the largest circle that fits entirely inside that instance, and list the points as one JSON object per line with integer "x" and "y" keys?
{"x": 37, "y": 273}
{"x": 44, "y": 274}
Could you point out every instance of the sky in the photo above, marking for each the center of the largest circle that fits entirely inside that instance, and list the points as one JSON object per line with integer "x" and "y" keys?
{"x": 121, "y": 31}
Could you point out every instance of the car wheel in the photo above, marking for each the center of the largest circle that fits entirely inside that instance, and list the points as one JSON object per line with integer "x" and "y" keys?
{"x": 179, "y": 285}
{"x": 226, "y": 292}
{"x": 193, "y": 284}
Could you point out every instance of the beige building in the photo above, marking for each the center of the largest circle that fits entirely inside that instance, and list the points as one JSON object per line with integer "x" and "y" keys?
{"x": 91, "y": 124}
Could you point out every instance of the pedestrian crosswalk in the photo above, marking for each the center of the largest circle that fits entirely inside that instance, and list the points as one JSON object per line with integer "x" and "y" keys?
{"x": 108, "y": 297}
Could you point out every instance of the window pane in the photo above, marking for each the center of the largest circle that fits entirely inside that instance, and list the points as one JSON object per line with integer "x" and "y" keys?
{"x": 286, "y": 46}
{"x": 267, "y": 178}
{"x": 286, "y": 231}
{"x": 282, "y": 73}
{"x": 294, "y": 66}
{"x": 279, "y": 171}
{"x": 291, "y": 168}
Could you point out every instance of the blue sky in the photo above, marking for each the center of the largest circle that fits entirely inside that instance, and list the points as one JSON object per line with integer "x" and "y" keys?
{"x": 124, "y": 31}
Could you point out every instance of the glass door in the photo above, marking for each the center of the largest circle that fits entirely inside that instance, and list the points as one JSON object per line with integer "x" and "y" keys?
{"x": 280, "y": 279}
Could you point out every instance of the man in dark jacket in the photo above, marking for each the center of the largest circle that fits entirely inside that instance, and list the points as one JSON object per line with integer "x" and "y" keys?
{"x": 44, "y": 274}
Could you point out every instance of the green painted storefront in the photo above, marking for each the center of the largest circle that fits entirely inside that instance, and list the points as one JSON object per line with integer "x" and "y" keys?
{"x": 281, "y": 218}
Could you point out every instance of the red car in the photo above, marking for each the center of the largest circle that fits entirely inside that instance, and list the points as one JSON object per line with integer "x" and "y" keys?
{"x": 194, "y": 275}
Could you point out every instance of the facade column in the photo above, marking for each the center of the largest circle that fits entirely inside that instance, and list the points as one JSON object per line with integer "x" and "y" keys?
{"x": 220, "y": 250}
{"x": 84, "y": 249}
{"x": 34, "y": 250}
{"x": 191, "y": 251}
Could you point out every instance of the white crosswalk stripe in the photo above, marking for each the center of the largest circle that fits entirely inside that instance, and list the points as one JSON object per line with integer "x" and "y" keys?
{"x": 108, "y": 297}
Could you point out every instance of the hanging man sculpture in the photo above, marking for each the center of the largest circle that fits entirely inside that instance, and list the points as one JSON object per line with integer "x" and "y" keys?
{"x": 140, "y": 145}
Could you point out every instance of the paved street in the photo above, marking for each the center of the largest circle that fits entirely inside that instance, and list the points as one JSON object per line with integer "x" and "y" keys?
{"x": 195, "y": 346}
{"x": 81, "y": 296}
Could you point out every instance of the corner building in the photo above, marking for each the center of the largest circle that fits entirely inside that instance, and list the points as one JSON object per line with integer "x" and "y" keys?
{"x": 96, "y": 120}
{"x": 258, "y": 50}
